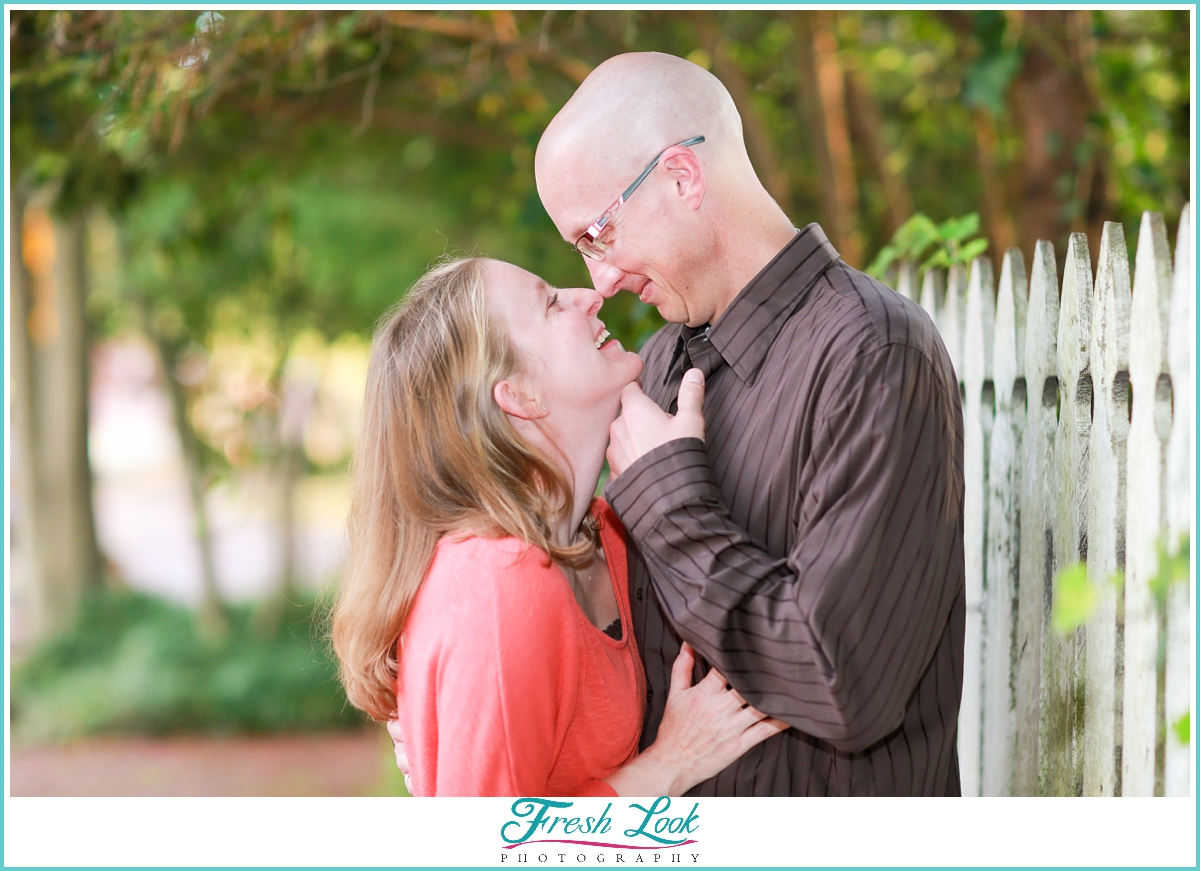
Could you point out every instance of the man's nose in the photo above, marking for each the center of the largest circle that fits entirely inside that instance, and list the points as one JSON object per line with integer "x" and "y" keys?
{"x": 606, "y": 278}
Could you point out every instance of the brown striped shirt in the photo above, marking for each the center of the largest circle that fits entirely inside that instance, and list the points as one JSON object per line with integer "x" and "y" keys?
{"x": 811, "y": 547}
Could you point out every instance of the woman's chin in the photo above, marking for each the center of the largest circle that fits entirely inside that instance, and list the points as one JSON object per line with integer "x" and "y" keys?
{"x": 640, "y": 365}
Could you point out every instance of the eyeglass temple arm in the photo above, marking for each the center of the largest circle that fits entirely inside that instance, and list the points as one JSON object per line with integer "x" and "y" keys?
{"x": 695, "y": 140}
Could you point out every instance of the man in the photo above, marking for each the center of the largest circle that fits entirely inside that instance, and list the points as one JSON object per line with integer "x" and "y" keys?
{"x": 804, "y": 532}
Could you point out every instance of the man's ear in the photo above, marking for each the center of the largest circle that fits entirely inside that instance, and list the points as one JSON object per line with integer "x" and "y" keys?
{"x": 513, "y": 400}
{"x": 687, "y": 174}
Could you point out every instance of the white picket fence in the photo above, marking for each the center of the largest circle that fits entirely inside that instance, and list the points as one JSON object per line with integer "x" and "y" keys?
{"x": 1077, "y": 400}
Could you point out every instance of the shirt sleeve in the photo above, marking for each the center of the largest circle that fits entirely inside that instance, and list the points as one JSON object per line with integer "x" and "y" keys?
{"x": 506, "y": 689}
{"x": 833, "y": 636}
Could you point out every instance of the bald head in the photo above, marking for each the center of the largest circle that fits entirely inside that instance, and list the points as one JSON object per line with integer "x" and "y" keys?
{"x": 631, "y": 107}
{"x": 644, "y": 101}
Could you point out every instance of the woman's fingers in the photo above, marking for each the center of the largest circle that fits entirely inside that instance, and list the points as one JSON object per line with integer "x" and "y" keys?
{"x": 746, "y": 717}
{"x": 761, "y": 731}
{"x": 681, "y": 670}
{"x": 713, "y": 683}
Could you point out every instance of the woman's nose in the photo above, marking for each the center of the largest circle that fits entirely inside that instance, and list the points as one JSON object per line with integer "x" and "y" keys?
{"x": 588, "y": 300}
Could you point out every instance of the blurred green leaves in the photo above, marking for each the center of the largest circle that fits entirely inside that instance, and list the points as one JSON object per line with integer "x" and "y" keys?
{"x": 987, "y": 78}
{"x": 1174, "y": 567}
{"x": 1182, "y": 729}
{"x": 950, "y": 241}
{"x": 1075, "y": 599}
{"x": 1076, "y": 596}
{"x": 137, "y": 664}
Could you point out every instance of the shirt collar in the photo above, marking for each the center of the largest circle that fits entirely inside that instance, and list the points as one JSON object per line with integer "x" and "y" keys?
{"x": 751, "y": 323}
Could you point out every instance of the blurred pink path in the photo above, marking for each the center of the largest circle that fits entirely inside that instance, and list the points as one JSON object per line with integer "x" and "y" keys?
{"x": 332, "y": 764}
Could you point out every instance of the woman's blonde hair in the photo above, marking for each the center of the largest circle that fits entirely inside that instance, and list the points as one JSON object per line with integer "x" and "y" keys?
{"x": 436, "y": 456}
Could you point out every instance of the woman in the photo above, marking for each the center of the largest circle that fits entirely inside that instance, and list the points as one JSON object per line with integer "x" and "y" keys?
{"x": 486, "y": 598}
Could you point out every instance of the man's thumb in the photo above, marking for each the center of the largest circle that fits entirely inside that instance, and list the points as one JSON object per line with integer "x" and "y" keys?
{"x": 691, "y": 392}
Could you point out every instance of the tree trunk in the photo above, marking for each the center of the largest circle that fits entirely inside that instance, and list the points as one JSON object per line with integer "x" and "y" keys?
{"x": 212, "y": 612}
{"x": 868, "y": 129}
{"x": 997, "y": 217}
{"x": 1051, "y": 103}
{"x": 297, "y": 394}
{"x": 759, "y": 143}
{"x": 812, "y": 122}
{"x": 27, "y": 571}
{"x": 831, "y": 86}
{"x": 51, "y": 380}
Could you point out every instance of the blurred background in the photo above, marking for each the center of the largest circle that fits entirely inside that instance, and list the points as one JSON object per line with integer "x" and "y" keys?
{"x": 209, "y": 211}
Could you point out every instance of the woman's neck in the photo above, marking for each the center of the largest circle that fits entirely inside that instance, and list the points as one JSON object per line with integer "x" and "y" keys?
{"x": 584, "y": 460}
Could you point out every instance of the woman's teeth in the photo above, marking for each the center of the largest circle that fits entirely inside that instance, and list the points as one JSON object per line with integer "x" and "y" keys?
{"x": 601, "y": 339}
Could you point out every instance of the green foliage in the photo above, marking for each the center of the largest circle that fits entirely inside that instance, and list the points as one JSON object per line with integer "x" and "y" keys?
{"x": 1174, "y": 567}
{"x": 1076, "y": 596}
{"x": 136, "y": 664}
{"x": 988, "y": 77}
{"x": 1075, "y": 599}
{"x": 950, "y": 241}
{"x": 1182, "y": 729}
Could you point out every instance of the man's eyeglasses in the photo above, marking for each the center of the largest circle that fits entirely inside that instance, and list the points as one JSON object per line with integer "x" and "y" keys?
{"x": 589, "y": 244}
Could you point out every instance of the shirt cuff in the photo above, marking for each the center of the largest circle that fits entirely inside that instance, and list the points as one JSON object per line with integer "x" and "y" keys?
{"x": 671, "y": 475}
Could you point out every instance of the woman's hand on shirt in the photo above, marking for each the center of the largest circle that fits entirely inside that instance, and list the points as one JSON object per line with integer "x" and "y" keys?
{"x": 704, "y": 729}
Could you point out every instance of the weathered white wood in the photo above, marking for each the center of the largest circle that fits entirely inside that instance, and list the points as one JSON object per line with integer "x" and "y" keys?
{"x": 1036, "y": 504}
{"x": 953, "y": 317}
{"x": 978, "y": 413}
{"x": 1003, "y": 528}
{"x": 1109, "y": 361}
{"x": 1177, "y": 773}
{"x": 1059, "y": 758}
{"x": 1054, "y": 463}
{"x": 933, "y": 293}
{"x": 906, "y": 280}
{"x": 1146, "y": 519}
{"x": 1179, "y": 353}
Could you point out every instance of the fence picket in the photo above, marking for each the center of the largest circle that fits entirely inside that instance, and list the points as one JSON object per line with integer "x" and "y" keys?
{"x": 933, "y": 293}
{"x": 1003, "y": 527}
{"x": 1058, "y": 762}
{"x": 953, "y": 317}
{"x": 906, "y": 280}
{"x": 1146, "y": 521}
{"x": 979, "y": 410}
{"x": 1109, "y": 363}
{"x": 1177, "y": 774}
{"x": 1037, "y": 510}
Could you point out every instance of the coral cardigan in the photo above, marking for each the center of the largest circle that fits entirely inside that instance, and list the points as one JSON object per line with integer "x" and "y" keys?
{"x": 504, "y": 686}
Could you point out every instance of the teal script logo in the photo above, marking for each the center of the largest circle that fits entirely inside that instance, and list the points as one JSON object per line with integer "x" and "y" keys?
{"x": 544, "y": 820}
{"x": 537, "y": 812}
{"x": 656, "y": 819}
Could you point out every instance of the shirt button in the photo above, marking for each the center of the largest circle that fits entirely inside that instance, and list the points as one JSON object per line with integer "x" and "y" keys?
{"x": 649, "y": 695}
{"x": 639, "y": 594}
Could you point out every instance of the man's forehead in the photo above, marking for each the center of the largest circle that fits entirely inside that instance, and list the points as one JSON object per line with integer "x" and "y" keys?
{"x": 575, "y": 197}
